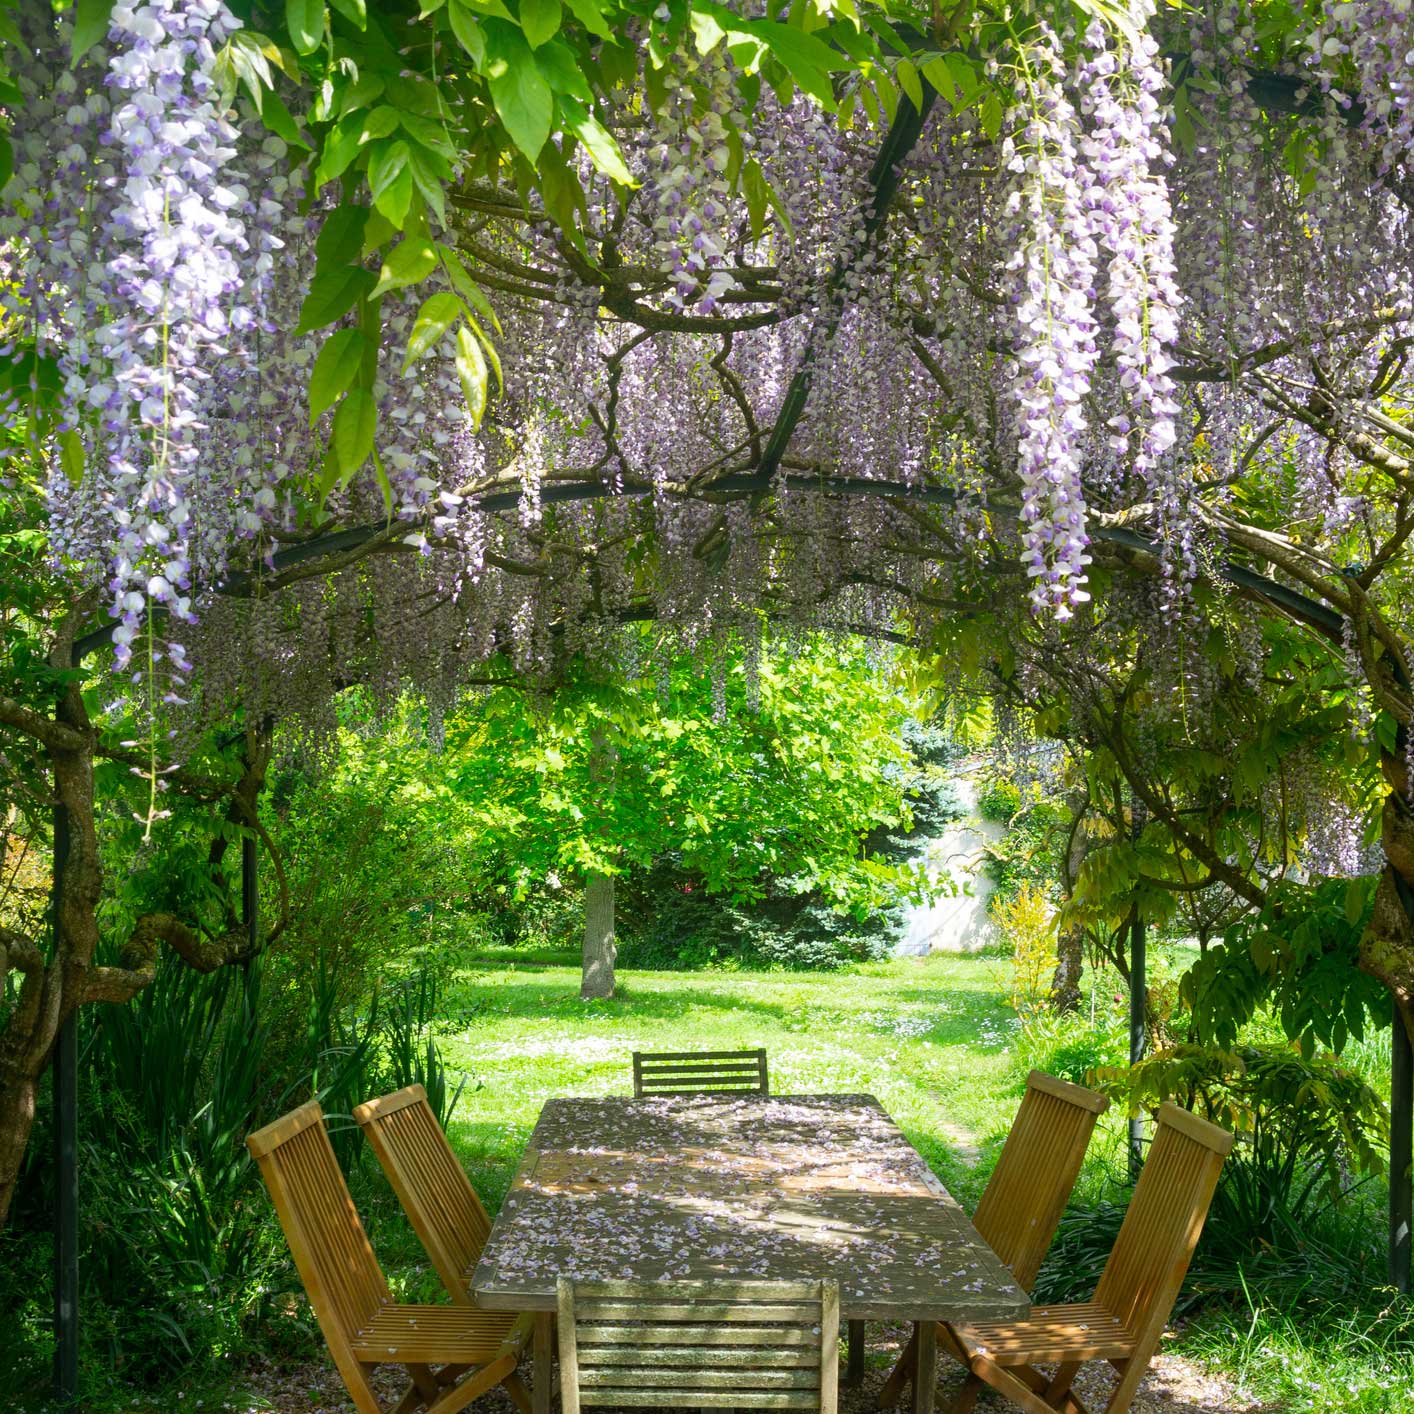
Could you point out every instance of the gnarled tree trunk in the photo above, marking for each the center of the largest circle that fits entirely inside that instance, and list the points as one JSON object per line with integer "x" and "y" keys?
{"x": 53, "y": 987}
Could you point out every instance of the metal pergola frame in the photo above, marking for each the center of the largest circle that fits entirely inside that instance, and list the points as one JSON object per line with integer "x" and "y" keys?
{"x": 903, "y": 134}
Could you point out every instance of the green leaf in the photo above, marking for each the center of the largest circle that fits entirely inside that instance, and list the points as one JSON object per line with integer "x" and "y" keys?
{"x": 280, "y": 121}
{"x": 908, "y": 81}
{"x": 598, "y": 141}
{"x": 471, "y": 368}
{"x": 341, "y": 236}
{"x": 753, "y": 188}
{"x": 71, "y": 456}
{"x": 437, "y": 315}
{"x": 468, "y": 31}
{"x": 940, "y": 76}
{"x": 378, "y": 123}
{"x": 90, "y": 25}
{"x": 518, "y": 89}
{"x": 992, "y": 115}
{"x": 305, "y": 21}
{"x": 590, "y": 13}
{"x": 334, "y": 370}
{"x": 540, "y": 20}
{"x": 557, "y": 62}
{"x": 409, "y": 262}
{"x": 354, "y": 10}
{"x": 467, "y": 287}
{"x": 354, "y": 426}
{"x": 390, "y": 180}
{"x": 332, "y": 293}
{"x": 342, "y": 144}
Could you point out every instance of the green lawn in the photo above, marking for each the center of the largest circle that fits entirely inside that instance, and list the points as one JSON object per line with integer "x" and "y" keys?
{"x": 932, "y": 1039}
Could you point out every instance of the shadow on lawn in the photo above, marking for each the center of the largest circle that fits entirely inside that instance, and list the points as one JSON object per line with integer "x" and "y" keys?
{"x": 956, "y": 1015}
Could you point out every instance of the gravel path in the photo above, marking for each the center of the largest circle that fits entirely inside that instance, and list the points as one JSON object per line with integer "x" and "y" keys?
{"x": 1173, "y": 1386}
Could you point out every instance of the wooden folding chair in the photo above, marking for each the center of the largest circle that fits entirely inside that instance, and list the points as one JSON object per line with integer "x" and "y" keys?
{"x": 699, "y": 1073}
{"x": 435, "y": 1192}
{"x": 1022, "y": 1204}
{"x": 1132, "y": 1304}
{"x": 700, "y": 1344}
{"x": 361, "y": 1322}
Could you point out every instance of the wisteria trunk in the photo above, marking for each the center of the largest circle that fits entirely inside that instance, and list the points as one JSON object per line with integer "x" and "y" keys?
{"x": 599, "y": 946}
{"x": 1387, "y": 949}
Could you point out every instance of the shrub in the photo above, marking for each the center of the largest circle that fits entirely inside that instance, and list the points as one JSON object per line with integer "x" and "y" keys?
{"x": 1027, "y": 924}
{"x": 1303, "y": 1126}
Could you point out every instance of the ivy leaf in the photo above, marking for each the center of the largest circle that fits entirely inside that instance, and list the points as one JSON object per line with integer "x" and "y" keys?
{"x": 390, "y": 180}
{"x": 409, "y": 262}
{"x": 540, "y": 19}
{"x": 332, "y": 293}
{"x": 354, "y": 426}
{"x": 334, "y": 370}
{"x": 471, "y": 368}
{"x": 90, "y": 25}
{"x": 597, "y": 139}
{"x": 437, "y": 315}
{"x": 518, "y": 89}
{"x": 305, "y": 21}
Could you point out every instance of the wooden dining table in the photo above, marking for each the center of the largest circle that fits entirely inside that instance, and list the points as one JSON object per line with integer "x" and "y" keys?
{"x": 741, "y": 1187}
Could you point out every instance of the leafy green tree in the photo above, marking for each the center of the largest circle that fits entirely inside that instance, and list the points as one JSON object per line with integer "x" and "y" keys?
{"x": 599, "y": 777}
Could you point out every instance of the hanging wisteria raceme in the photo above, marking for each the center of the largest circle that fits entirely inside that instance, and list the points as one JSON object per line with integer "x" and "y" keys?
{"x": 1000, "y": 349}
{"x": 1131, "y": 218}
{"x": 1050, "y": 288}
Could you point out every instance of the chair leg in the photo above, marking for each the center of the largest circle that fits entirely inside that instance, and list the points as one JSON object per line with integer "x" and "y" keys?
{"x": 520, "y": 1396}
{"x": 459, "y": 1396}
{"x": 966, "y": 1400}
{"x": 1132, "y": 1373}
{"x": 1059, "y": 1387}
{"x": 899, "y": 1376}
{"x": 854, "y": 1370}
{"x": 1006, "y": 1383}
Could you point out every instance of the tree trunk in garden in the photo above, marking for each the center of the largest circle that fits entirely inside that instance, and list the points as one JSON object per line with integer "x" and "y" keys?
{"x": 1070, "y": 942}
{"x": 599, "y": 947}
{"x": 1387, "y": 947}
{"x": 597, "y": 972}
{"x": 56, "y": 982}
{"x": 1070, "y": 963}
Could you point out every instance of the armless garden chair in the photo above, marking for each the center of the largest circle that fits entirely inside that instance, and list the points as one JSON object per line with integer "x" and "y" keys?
{"x": 1022, "y": 1204}
{"x": 363, "y": 1325}
{"x": 1132, "y": 1304}
{"x": 699, "y": 1073}
{"x": 435, "y": 1192}
{"x": 699, "y": 1345}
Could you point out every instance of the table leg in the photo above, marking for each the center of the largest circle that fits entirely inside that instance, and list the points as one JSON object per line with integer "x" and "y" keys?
{"x": 542, "y": 1344}
{"x": 925, "y": 1374}
{"x": 854, "y": 1371}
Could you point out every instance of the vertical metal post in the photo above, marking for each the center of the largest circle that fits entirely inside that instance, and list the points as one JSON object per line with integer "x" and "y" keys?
{"x": 1401, "y": 1153}
{"x": 250, "y": 890}
{"x": 1137, "y": 967}
{"x": 66, "y": 1161}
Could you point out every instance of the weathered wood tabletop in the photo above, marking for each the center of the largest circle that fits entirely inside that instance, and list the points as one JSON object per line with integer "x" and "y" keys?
{"x": 752, "y": 1186}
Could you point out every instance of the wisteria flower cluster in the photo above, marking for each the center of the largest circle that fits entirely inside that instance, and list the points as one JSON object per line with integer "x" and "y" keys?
{"x": 1052, "y": 272}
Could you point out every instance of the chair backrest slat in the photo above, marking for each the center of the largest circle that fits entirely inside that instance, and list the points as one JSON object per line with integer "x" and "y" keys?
{"x": 327, "y": 1240}
{"x": 1150, "y": 1258}
{"x": 700, "y": 1344}
{"x": 1032, "y": 1182}
{"x": 435, "y": 1193}
{"x": 699, "y": 1073}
